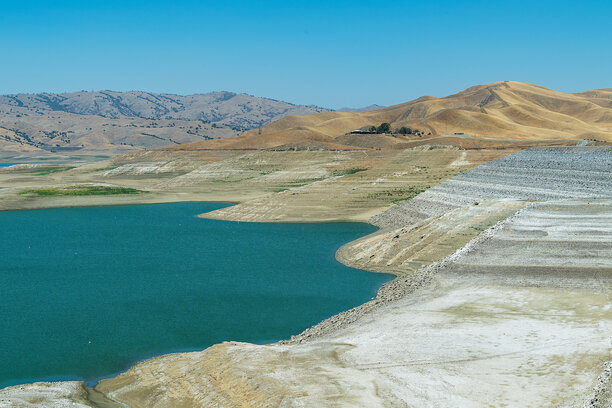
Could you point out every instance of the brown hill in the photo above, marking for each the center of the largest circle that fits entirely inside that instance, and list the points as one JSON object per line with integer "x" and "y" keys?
{"x": 501, "y": 112}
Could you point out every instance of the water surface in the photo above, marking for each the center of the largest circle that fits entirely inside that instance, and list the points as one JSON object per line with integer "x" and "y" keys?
{"x": 86, "y": 292}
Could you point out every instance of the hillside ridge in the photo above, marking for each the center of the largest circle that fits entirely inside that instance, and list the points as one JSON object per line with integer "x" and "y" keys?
{"x": 505, "y": 111}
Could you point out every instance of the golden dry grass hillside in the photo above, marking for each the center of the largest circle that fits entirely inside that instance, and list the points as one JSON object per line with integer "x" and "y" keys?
{"x": 500, "y": 112}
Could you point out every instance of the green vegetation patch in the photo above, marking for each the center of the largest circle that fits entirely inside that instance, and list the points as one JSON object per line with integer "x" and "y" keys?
{"x": 82, "y": 191}
{"x": 398, "y": 195}
{"x": 344, "y": 172}
{"x": 50, "y": 170}
{"x": 101, "y": 169}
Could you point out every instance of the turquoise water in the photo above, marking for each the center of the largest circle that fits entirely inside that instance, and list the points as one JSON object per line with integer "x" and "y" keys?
{"x": 86, "y": 292}
{"x": 8, "y": 164}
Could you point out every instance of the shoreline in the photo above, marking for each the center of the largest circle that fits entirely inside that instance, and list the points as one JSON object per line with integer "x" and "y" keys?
{"x": 91, "y": 384}
{"x": 401, "y": 286}
{"x": 201, "y": 215}
{"x": 86, "y": 205}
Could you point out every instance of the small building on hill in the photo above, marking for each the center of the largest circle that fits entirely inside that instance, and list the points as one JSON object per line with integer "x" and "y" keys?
{"x": 362, "y": 132}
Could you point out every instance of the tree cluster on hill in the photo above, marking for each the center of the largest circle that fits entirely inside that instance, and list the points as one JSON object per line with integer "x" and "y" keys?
{"x": 382, "y": 128}
{"x": 386, "y": 128}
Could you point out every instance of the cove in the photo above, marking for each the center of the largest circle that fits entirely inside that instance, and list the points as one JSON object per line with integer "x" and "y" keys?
{"x": 86, "y": 292}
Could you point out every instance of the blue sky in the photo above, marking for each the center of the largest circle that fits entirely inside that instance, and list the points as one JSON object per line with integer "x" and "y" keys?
{"x": 328, "y": 53}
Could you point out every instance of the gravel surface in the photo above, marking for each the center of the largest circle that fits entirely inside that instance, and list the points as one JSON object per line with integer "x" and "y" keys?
{"x": 602, "y": 393}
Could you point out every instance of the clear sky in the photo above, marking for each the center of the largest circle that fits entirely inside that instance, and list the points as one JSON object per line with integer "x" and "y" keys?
{"x": 330, "y": 53}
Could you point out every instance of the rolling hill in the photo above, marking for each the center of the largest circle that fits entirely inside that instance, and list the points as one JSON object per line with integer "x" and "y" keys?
{"x": 110, "y": 122}
{"x": 489, "y": 114}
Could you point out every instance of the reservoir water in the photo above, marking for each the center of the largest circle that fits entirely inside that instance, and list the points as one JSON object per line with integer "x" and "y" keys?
{"x": 86, "y": 292}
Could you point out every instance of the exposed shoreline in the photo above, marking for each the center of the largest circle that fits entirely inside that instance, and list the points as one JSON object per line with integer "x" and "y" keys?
{"x": 401, "y": 286}
{"x": 479, "y": 260}
{"x": 94, "y": 382}
{"x": 110, "y": 204}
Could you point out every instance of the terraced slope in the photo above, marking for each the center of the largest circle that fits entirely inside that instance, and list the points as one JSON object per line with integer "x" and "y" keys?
{"x": 536, "y": 174}
{"x": 445, "y": 217}
{"x": 567, "y": 240}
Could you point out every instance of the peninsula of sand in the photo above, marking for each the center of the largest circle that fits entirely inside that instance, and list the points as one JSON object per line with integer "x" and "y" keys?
{"x": 501, "y": 242}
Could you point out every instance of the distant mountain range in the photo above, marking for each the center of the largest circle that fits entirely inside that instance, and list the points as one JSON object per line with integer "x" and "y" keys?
{"x": 111, "y": 122}
{"x": 498, "y": 112}
{"x": 364, "y": 109}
